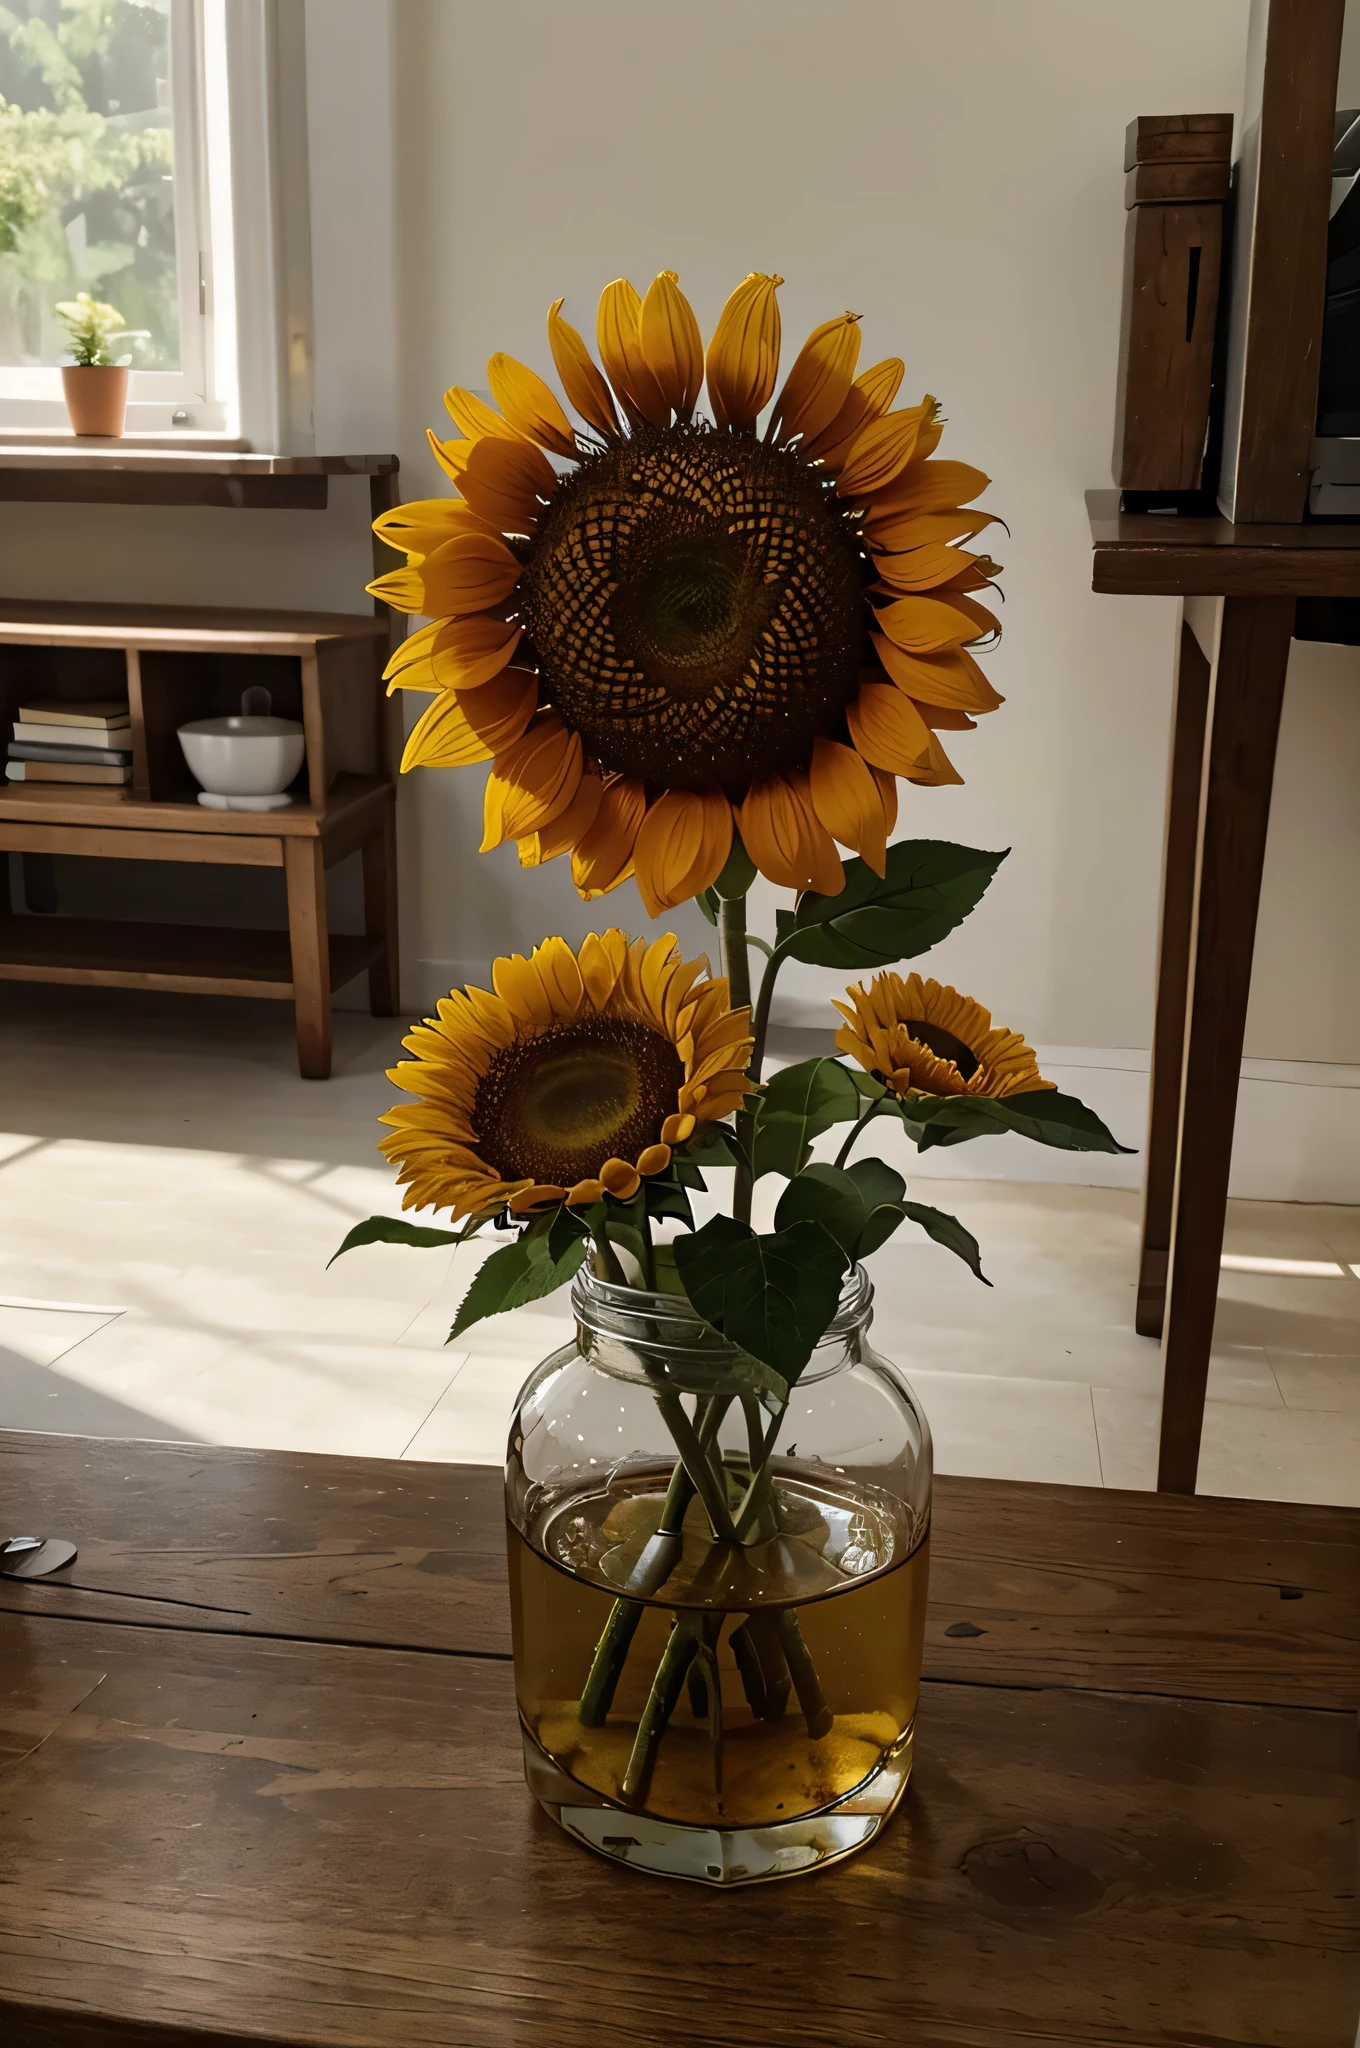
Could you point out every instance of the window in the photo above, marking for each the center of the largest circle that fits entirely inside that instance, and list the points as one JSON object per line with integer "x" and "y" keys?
{"x": 113, "y": 169}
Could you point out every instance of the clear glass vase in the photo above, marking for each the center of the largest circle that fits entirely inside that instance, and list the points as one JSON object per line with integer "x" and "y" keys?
{"x": 729, "y": 1707}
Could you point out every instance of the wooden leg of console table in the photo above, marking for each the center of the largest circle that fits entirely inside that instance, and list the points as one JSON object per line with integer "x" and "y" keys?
{"x": 1173, "y": 972}
{"x": 1245, "y": 698}
{"x": 310, "y": 947}
{"x": 380, "y": 916}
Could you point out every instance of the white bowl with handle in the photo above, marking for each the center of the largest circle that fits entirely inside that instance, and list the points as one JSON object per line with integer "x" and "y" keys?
{"x": 249, "y": 754}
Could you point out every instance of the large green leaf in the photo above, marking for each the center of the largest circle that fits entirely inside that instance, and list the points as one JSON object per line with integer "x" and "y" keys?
{"x": 518, "y": 1273}
{"x": 393, "y": 1230}
{"x": 772, "y": 1295}
{"x": 863, "y": 1205}
{"x": 1042, "y": 1114}
{"x": 948, "y": 1231}
{"x": 929, "y": 887}
{"x": 798, "y": 1104}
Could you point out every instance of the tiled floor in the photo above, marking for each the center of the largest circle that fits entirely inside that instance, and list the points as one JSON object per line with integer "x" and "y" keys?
{"x": 170, "y": 1194}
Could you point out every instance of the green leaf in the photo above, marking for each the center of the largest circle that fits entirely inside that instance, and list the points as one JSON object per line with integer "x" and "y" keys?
{"x": 869, "y": 1085}
{"x": 877, "y": 1181}
{"x": 1042, "y": 1114}
{"x": 825, "y": 1195}
{"x": 666, "y": 1197}
{"x": 707, "y": 901}
{"x": 798, "y": 1104}
{"x": 929, "y": 887}
{"x": 518, "y": 1273}
{"x": 739, "y": 871}
{"x": 773, "y": 1295}
{"x": 563, "y": 1227}
{"x": 687, "y": 1175}
{"x": 948, "y": 1231}
{"x": 392, "y": 1230}
{"x": 712, "y": 1145}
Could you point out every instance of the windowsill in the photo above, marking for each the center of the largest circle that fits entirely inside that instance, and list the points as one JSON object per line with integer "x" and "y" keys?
{"x": 36, "y": 439}
{"x": 152, "y": 469}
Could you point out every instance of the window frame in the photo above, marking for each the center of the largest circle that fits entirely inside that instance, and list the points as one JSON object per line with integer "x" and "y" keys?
{"x": 199, "y": 397}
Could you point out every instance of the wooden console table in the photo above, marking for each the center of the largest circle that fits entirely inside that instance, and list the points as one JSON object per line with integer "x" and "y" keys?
{"x": 175, "y": 665}
{"x": 260, "y": 1781}
{"x": 1240, "y": 585}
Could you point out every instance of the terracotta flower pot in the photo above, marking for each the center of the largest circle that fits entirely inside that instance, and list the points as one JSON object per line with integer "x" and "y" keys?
{"x": 96, "y": 397}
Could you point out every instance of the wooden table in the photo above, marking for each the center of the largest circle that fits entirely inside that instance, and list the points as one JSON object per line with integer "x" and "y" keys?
{"x": 1240, "y": 585}
{"x": 260, "y": 1780}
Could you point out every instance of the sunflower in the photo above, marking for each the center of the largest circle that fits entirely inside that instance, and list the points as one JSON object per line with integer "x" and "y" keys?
{"x": 573, "y": 1080}
{"x": 660, "y": 627}
{"x": 921, "y": 1038}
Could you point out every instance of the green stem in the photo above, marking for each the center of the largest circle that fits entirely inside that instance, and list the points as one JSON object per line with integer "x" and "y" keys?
{"x": 870, "y": 1113}
{"x": 803, "y": 1671}
{"x": 732, "y": 923}
{"x": 698, "y": 1464}
{"x": 609, "y": 1258}
{"x": 761, "y": 945}
{"x": 756, "y": 1517}
{"x": 676, "y": 1658}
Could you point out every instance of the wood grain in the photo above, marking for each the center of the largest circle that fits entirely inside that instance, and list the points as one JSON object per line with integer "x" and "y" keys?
{"x": 1067, "y": 1586}
{"x": 1144, "y": 554}
{"x": 1246, "y": 696}
{"x": 304, "y": 872}
{"x": 353, "y": 803}
{"x": 1171, "y": 270}
{"x": 209, "y": 960}
{"x": 315, "y": 1844}
{"x": 1184, "y": 777}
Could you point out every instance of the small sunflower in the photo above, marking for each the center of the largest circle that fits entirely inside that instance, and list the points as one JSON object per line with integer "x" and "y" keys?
{"x": 676, "y": 627}
{"x": 921, "y": 1038}
{"x": 573, "y": 1080}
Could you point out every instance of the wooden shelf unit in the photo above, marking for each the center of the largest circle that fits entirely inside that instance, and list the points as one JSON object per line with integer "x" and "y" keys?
{"x": 175, "y": 665}
{"x": 121, "y": 472}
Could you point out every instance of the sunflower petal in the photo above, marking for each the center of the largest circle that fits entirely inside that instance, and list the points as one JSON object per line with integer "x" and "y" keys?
{"x": 896, "y": 532}
{"x": 672, "y": 346}
{"x": 582, "y": 382}
{"x": 604, "y": 857}
{"x": 889, "y": 731}
{"x": 602, "y": 959}
{"x": 565, "y": 831}
{"x": 743, "y": 356}
{"x": 475, "y": 419}
{"x": 529, "y": 404}
{"x": 453, "y": 732}
{"x": 621, "y": 1179}
{"x": 820, "y": 381}
{"x": 869, "y": 397}
{"x": 928, "y": 567}
{"x": 881, "y": 451}
{"x": 505, "y": 483}
{"x": 471, "y": 651}
{"x": 846, "y": 798}
{"x": 887, "y": 789}
{"x": 450, "y": 455}
{"x": 419, "y": 528}
{"x": 415, "y": 649}
{"x": 939, "y": 768}
{"x": 620, "y": 346}
{"x": 926, "y": 487}
{"x": 952, "y": 678}
{"x": 519, "y": 985}
{"x": 561, "y": 975}
{"x": 681, "y": 847}
{"x": 532, "y": 782}
{"x": 466, "y": 574}
{"x": 786, "y": 839}
{"x": 923, "y": 625}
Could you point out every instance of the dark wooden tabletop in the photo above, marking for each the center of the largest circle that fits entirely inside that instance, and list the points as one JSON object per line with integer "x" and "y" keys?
{"x": 260, "y": 1780}
{"x": 1152, "y": 553}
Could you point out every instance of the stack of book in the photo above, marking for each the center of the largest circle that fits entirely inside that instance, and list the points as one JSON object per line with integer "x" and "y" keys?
{"x": 57, "y": 740}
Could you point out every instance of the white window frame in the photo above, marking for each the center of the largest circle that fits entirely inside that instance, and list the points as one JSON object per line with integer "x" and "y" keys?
{"x": 201, "y": 396}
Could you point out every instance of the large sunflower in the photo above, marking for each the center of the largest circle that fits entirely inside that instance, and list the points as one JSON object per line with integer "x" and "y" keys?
{"x": 678, "y": 623}
{"x": 573, "y": 1080}
{"x": 921, "y": 1038}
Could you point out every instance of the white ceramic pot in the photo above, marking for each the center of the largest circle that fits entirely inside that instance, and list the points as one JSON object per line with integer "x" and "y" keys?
{"x": 250, "y": 754}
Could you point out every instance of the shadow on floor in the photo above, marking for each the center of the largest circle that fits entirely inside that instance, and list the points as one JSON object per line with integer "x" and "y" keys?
{"x": 34, "y": 1397}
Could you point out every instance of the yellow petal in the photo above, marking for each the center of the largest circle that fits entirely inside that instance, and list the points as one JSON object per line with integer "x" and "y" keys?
{"x": 870, "y": 396}
{"x": 505, "y": 483}
{"x": 582, "y": 382}
{"x": 676, "y": 1129}
{"x": 672, "y": 346}
{"x": 743, "y": 356}
{"x": 621, "y": 1179}
{"x": 585, "y": 1192}
{"x": 819, "y": 383}
{"x": 846, "y": 798}
{"x": 454, "y": 731}
{"x": 654, "y": 1159}
{"x": 887, "y": 790}
{"x": 604, "y": 857}
{"x": 529, "y": 404}
{"x": 468, "y": 652}
{"x": 561, "y": 975}
{"x": 419, "y": 528}
{"x": 475, "y": 419}
{"x": 532, "y": 782}
{"x": 928, "y": 487}
{"x": 953, "y": 678}
{"x": 602, "y": 958}
{"x": 565, "y": 831}
{"x": 620, "y": 346}
{"x": 922, "y": 625}
{"x": 786, "y": 839}
{"x": 888, "y": 730}
{"x": 414, "y": 650}
{"x": 881, "y": 451}
{"x": 944, "y": 717}
{"x": 519, "y": 985}
{"x": 939, "y": 768}
{"x": 927, "y": 567}
{"x": 450, "y": 455}
{"x": 682, "y": 846}
{"x": 899, "y": 531}
{"x": 466, "y": 574}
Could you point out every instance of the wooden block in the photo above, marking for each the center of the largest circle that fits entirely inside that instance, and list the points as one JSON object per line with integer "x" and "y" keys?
{"x": 1177, "y": 184}
{"x": 1171, "y": 269}
{"x": 1178, "y": 139}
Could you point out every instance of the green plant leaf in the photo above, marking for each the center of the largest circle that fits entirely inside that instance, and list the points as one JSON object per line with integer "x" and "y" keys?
{"x": 393, "y": 1230}
{"x": 667, "y": 1197}
{"x": 877, "y": 1181}
{"x": 518, "y": 1273}
{"x": 948, "y": 1231}
{"x": 929, "y": 887}
{"x": 1042, "y": 1114}
{"x": 712, "y": 1145}
{"x": 687, "y": 1175}
{"x": 707, "y": 900}
{"x": 825, "y": 1195}
{"x": 773, "y": 1296}
{"x": 798, "y": 1104}
{"x": 739, "y": 871}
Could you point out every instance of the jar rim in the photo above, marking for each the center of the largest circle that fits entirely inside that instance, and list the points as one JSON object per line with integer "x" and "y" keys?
{"x": 669, "y": 1322}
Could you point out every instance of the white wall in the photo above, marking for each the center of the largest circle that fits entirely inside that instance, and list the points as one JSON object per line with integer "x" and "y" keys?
{"x": 953, "y": 173}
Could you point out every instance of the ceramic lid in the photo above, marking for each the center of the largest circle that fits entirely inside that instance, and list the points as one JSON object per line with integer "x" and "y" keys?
{"x": 246, "y": 726}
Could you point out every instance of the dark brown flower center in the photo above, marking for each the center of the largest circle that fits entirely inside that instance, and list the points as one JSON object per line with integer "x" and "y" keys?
{"x": 693, "y": 599}
{"x": 945, "y": 1046}
{"x": 554, "y": 1108}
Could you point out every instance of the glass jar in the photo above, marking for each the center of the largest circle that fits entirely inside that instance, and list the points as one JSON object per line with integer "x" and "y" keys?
{"x": 725, "y": 1708}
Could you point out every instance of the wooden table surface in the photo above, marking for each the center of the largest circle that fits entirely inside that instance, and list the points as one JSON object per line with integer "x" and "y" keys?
{"x": 260, "y": 1780}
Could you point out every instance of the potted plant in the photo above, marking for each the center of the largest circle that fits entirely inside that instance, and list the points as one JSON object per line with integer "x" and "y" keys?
{"x": 95, "y": 383}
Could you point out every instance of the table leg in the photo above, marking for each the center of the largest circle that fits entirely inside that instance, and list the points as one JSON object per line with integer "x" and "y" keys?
{"x": 1173, "y": 972}
{"x": 1246, "y": 694}
{"x": 309, "y": 943}
{"x": 379, "y": 856}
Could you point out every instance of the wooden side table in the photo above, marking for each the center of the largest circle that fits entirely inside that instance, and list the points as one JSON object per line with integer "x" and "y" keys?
{"x": 175, "y": 665}
{"x": 1240, "y": 584}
